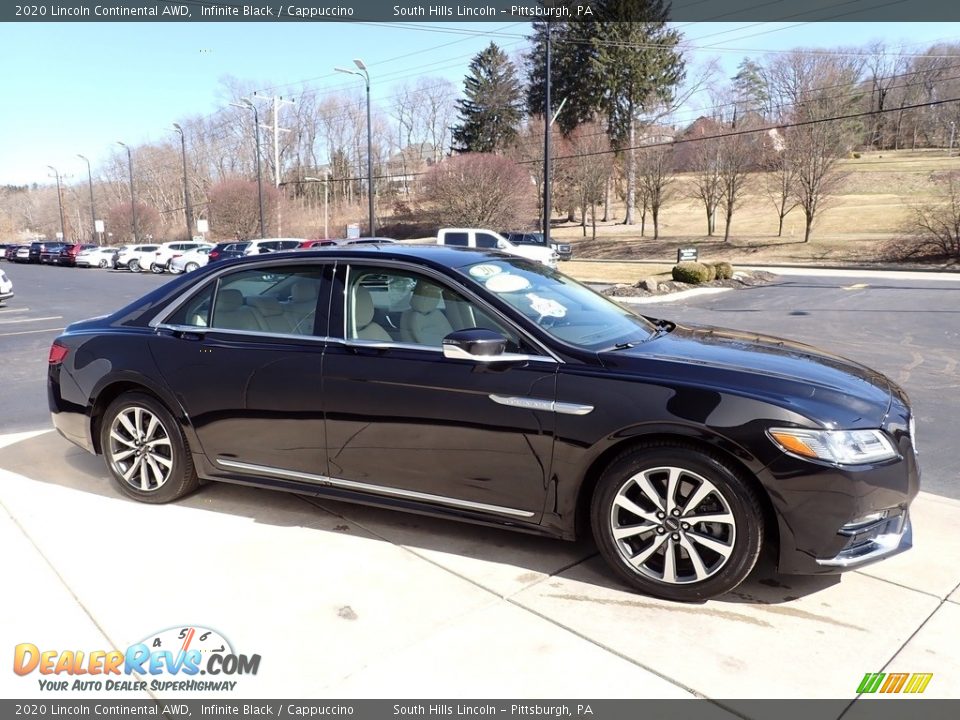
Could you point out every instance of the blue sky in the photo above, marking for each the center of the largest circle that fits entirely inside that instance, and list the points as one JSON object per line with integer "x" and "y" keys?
{"x": 77, "y": 87}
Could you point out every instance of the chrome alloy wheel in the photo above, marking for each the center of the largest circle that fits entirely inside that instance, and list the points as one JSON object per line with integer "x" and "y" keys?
{"x": 140, "y": 451}
{"x": 672, "y": 525}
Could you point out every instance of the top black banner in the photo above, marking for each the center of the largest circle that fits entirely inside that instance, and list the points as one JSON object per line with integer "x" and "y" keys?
{"x": 791, "y": 11}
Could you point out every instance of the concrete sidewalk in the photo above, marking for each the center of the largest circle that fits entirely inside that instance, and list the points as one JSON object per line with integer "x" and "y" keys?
{"x": 346, "y": 601}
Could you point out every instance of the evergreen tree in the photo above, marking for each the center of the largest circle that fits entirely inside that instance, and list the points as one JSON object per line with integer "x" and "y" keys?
{"x": 490, "y": 110}
{"x": 750, "y": 88}
{"x": 639, "y": 65}
{"x": 574, "y": 83}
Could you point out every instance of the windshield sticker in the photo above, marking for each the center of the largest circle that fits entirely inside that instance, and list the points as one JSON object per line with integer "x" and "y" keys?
{"x": 485, "y": 271}
{"x": 506, "y": 282}
{"x": 545, "y": 307}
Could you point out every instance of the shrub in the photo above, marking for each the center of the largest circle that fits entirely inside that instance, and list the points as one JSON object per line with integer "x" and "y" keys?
{"x": 856, "y": 156}
{"x": 693, "y": 273}
{"x": 724, "y": 270}
{"x": 711, "y": 271}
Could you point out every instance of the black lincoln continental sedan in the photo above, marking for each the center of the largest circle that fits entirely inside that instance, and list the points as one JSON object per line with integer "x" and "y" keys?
{"x": 488, "y": 388}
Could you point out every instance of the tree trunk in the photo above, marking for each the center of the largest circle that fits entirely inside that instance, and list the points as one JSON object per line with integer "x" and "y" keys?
{"x": 606, "y": 200}
{"x": 593, "y": 218}
{"x": 709, "y": 222}
{"x": 809, "y": 226}
{"x": 780, "y": 228}
{"x": 655, "y": 212}
{"x": 631, "y": 169}
{"x": 643, "y": 220}
{"x": 726, "y": 229}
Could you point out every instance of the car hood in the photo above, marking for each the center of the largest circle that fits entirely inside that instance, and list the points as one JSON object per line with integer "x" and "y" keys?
{"x": 826, "y": 388}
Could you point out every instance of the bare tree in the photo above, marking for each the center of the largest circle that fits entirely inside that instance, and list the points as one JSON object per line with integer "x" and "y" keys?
{"x": 589, "y": 169}
{"x": 707, "y": 179}
{"x": 234, "y": 208}
{"x": 780, "y": 181}
{"x": 655, "y": 179}
{"x": 935, "y": 228}
{"x": 479, "y": 190}
{"x": 738, "y": 155}
{"x": 119, "y": 221}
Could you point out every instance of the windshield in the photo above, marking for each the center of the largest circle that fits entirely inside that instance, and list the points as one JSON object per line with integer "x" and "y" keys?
{"x": 562, "y": 307}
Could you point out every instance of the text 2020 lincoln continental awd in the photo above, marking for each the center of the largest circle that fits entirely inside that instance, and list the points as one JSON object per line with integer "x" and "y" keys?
{"x": 488, "y": 388}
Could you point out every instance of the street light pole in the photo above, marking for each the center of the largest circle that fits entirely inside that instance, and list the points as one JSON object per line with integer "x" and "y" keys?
{"x": 188, "y": 212}
{"x": 547, "y": 122}
{"x": 63, "y": 227}
{"x": 256, "y": 130}
{"x": 133, "y": 201}
{"x": 362, "y": 68}
{"x": 93, "y": 211}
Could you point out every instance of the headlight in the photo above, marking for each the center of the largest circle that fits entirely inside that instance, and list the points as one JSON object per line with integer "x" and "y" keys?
{"x": 843, "y": 447}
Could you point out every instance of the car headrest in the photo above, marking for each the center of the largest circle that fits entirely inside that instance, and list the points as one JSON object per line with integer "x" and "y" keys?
{"x": 363, "y": 307}
{"x": 426, "y": 297}
{"x": 304, "y": 292}
{"x": 268, "y": 306}
{"x": 229, "y": 299}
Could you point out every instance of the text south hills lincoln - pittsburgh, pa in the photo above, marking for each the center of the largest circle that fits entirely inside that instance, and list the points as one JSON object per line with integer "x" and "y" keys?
{"x": 464, "y": 10}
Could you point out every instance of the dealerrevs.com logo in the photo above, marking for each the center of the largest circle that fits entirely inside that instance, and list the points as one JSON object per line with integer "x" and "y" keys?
{"x": 180, "y": 659}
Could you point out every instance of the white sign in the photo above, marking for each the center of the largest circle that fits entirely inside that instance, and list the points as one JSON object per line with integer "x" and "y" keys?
{"x": 353, "y": 230}
{"x": 98, "y": 225}
{"x": 203, "y": 226}
{"x": 59, "y": 236}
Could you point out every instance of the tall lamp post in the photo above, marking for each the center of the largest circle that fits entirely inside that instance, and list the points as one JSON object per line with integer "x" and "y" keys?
{"x": 326, "y": 183}
{"x": 63, "y": 227}
{"x": 361, "y": 71}
{"x": 93, "y": 211}
{"x": 133, "y": 200}
{"x": 186, "y": 188}
{"x": 245, "y": 103}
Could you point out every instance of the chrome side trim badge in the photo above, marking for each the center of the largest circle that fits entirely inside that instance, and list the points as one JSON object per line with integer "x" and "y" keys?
{"x": 530, "y": 403}
{"x": 367, "y": 487}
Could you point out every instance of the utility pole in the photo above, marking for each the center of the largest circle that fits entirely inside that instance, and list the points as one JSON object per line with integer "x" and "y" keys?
{"x": 93, "y": 211}
{"x": 547, "y": 123}
{"x": 63, "y": 227}
{"x": 278, "y": 102}
{"x": 186, "y": 187}
{"x": 133, "y": 202}
{"x": 953, "y": 130}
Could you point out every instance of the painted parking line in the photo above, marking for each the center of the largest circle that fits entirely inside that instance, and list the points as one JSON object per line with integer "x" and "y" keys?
{"x": 10, "y": 311}
{"x": 23, "y": 320}
{"x": 31, "y": 332}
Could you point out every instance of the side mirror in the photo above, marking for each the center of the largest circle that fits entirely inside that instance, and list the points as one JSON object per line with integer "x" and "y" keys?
{"x": 477, "y": 344}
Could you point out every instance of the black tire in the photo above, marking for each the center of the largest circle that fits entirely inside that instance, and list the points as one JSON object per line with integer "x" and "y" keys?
{"x": 738, "y": 536}
{"x": 157, "y": 268}
{"x": 133, "y": 265}
{"x": 181, "y": 478}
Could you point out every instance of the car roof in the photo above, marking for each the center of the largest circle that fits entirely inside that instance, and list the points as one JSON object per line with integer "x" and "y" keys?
{"x": 442, "y": 255}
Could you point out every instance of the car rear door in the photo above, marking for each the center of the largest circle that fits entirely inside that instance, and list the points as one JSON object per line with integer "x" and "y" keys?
{"x": 244, "y": 356}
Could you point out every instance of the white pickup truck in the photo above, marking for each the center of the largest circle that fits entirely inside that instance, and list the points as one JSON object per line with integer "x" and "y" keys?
{"x": 480, "y": 238}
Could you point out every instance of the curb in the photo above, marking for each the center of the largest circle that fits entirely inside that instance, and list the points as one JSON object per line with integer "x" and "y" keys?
{"x": 847, "y": 269}
{"x": 669, "y": 297}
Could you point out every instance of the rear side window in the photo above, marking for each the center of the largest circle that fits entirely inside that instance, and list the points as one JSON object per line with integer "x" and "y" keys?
{"x": 457, "y": 238}
{"x": 485, "y": 240}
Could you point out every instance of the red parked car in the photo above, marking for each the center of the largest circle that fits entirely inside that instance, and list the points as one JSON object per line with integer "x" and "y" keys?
{"x": 68, "y": 254}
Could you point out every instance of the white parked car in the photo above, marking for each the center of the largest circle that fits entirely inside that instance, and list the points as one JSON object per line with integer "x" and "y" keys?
{"x": 190, "y": 260}
{"x": 488, "y": 239}
{"x": 168, "y": 251}
{"x": 101, "y": 257}
{"x": 265, "y": 245}
{"x": 135, "y": 257}
{"x": 6, "y": 287}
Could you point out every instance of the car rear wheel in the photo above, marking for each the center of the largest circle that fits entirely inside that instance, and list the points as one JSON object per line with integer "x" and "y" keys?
{"x": 133, "y": 265}
{"x": 190, "y": 267}
{"x": 677, "y": 523}
{"x": 145, "y": 450}
{"x": 157, "y": 268}
{"x": 102, "y": 264}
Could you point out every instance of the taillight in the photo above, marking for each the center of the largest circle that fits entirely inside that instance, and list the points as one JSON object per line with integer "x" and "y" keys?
{"x": 57, "y": 353}
{"x": 214, "y": 254}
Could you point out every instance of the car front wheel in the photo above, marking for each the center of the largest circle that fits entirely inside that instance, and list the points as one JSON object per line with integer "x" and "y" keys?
{"x": 102, "y": 264}
{"x": 676, "y": 522}
{"x": 145, "y": 450}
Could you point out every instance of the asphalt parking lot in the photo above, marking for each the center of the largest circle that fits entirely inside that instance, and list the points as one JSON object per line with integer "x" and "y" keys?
{"x": 346, "y": 601}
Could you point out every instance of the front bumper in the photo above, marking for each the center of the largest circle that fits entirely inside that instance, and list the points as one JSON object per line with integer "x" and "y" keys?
{"x": 6, "y": 295}
{"x": 889, "y": 537}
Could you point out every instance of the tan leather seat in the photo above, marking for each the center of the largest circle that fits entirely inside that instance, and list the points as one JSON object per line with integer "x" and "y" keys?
{"x": 272, "y": 314}
{"x": 364, "y": 328}
{"x": 302, "y": 308}
{"x": 424, "y": 323}
{"x": 230, "y": 312}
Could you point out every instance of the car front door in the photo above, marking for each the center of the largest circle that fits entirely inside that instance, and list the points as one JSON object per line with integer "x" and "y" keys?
{"x": 244, "y": 356}
{"x": 405, "y": 422}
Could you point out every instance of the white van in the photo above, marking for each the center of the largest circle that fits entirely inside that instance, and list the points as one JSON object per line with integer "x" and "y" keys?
{"x": 488, "y": 239}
